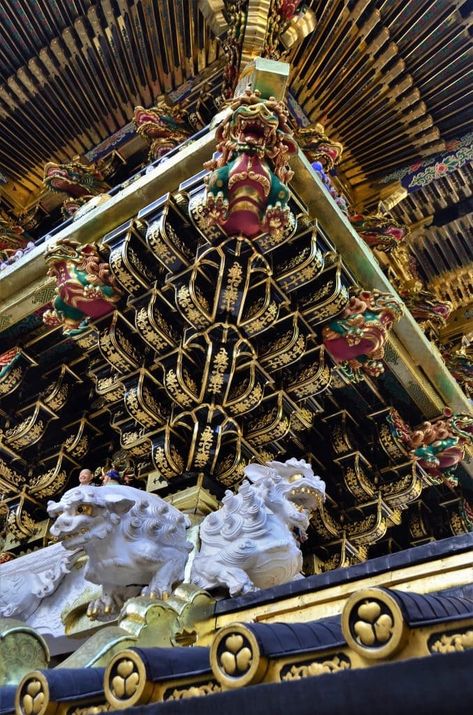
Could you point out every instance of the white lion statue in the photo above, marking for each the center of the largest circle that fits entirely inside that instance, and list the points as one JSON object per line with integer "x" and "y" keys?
{"x": 132, "y": 539}
{"x": 252, "y": 542}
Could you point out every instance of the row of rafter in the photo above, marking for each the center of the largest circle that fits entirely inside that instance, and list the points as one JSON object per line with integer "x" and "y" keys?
{"x": 391, "y": 80}
{"x": 74, "y": 77}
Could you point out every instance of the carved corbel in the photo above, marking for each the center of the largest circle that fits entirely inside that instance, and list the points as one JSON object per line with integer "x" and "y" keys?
{"x": 309, "y": 376}
{"x": 168, "y": 234}
{"x": 21, "y": 525}
{"x": 119, "y": 344}
{"x": 130, "y": 262}
{"x": 29, "y": 428}
{"x": 357, "y": 476}
{"x": 271, "y": 421}
{"x": 143, "y": 399}
{"x": 153, "y": 321}
{"x": 302, "y": 263}
{"x": 327, "y": 295}
{"x": 13, "y": 366}
{"x": 372, "y": 527}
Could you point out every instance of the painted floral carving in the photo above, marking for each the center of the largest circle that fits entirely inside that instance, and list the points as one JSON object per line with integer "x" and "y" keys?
{"x": 356, "y": 339}
{"x": 247, "y": 192}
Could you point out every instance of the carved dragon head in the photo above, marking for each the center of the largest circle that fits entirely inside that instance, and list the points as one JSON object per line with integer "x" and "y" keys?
{"x": 64, "y": 250}
{"x": 318, "y": 147}
{"x": 379, "y": 232}
{"x": 162, "y": 120}
{"x": 11, "y": 237}
{"x": 163, "y": 126}
{"x": 74, "y": 178}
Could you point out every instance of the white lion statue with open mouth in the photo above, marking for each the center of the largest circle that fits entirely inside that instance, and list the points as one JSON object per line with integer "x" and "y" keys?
{"x": 253, "y": 541}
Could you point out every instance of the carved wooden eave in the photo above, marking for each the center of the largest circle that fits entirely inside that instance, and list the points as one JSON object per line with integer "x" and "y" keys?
{"x": 77, "y": 71}
{"x": 18, "y": 289}
{"x": 20, "y": 285}
{"x": 107, "y": 62}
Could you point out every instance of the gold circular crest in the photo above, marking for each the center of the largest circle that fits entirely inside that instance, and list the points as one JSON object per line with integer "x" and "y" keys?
{"x": 125, "y": 680}
{"x": 235, "y": 657}
{"x": 32, "y": 695}
{"x": 373, "y": 623}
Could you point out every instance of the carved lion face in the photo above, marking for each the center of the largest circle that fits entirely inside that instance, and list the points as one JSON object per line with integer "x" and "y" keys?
{"x": 87, "y": 513}
{"x": 254, "y": 127}
{"x": 297, "y": 481}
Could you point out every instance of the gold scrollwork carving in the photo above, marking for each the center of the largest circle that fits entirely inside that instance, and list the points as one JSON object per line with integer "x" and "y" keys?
{"x": 154, "y": 327}
{"x": 320, "y": 666}
{"x": 202, "y": 453}
{"x": 303, "y": 266}
{"x": 193, "y": 691}
{"x": 91, "y": 710}
{"x": 405, "y": 490}
{"x": 127, "y": 260}
{"x": 357, "y": 480}
{"x": 165, "y": 455}
{"x": 230, "y": 293}
{"x": 195, "y": 311}
{"x": 117, "y": 345}
{"x": 49, "y": 483}
{"x": 330, "y": 295}
{"x": 271, "y": 424}
{"x": 263, "y": 318}
{"x": 309, "y": 378}
{"x": 219, "y": 369}
{"x": 140, "y": 399}
{"x": 20, "y": 524}
{"x": 452, "y": 642}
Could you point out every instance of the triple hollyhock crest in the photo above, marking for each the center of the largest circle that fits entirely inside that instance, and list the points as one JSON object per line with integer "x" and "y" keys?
{"x": 247, "y": 191}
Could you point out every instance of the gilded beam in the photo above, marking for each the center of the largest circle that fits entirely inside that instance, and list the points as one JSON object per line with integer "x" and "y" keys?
{"x": 425, "y": 362}
{"x": 437, "y": 575}
{"x": 21, "y": 285}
